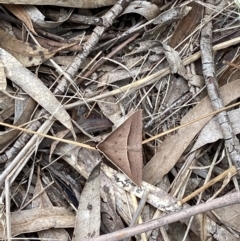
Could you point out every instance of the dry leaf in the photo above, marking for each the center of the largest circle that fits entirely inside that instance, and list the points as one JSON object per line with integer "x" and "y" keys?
{"x": 38, "y": 18}
{"x": 110, "y": 219}
{"x": 177, "y": 66}
{"x": 173, "y": 146}
{"x": 167, "y": 17}
{"x": 34, "y": 220}
{"x": 123, "y": 147}
{"x": 64, "y": 3}
{"x": 144, "y": 8}
{"x": 187, "y": 24}
{"x": 34, "y": 87}
{"x": 88, "y": 217}
{"x": 21, "y": 14}
{"x": 7, "y": 137}
{"x": 3, "y": 80}
{"x": 42, "y": 201}
{"x": 211, "y": 132}
{"x": 230, "y": 216}
{"x": 26, "y": 53}
{"x": 110, "y": 109}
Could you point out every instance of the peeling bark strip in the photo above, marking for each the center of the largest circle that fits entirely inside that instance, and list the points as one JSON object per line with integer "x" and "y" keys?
{"x": 208, "y": 65}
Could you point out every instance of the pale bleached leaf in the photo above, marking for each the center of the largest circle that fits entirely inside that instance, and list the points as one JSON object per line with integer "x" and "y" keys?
{"x": 88, "y": 217}
{"x": 144, "y": 8}
{"x": 212, "y": 132}
{"x": 33, "y": 86}
{"x": 165, "y": 158}
{"x": 28, "y": 221}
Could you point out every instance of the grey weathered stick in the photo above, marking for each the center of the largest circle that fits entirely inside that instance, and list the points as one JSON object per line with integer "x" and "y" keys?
{"x": 208, "y": 66}
{"x": 227, "y": 200}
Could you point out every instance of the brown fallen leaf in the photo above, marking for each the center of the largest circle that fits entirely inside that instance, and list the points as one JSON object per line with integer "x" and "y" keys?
{"x": 123, "y": 147}
{"x": 21, "y": 14}
{"x": 173, "y": 146}
{"x": 187, "y": 24}
{"x": 26, "y": 53}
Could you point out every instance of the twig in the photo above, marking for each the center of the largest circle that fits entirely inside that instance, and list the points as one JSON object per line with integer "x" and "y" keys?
{"x": 231, "y": 142}
{"x": 151, "y": 78}
{"x": 227, "y": 200}
{"x": 231, "y": 170}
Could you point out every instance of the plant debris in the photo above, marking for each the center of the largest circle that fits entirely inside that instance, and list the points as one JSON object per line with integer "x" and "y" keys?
{"x": 119, "y": 120}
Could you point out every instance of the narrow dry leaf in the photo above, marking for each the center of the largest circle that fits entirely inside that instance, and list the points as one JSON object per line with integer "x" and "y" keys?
{"x": 123, "y": 147}
{"x": 88, "y": 218}
{"x": 64, "y": 3}
{"x": 26, "y": 53}
{"x": 34, "y": 220}
{"x": 166, "y": 158}
{"x": 187, "y": 24}
{"x": 21, "y": 14}
{"x": 144, "y": 8}
{"x": 34, "y": 87}
{"x": 42, "y": 201}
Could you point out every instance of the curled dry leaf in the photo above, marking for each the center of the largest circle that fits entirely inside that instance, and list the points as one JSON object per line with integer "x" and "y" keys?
{"x": 38, "y": 18}
{"x": 26, "y": 53}
{"x": 144, "y": 8}
{"x": 177, "y": 66}
{"x": 165, "y": 158}
{"x": 33, "y": 86}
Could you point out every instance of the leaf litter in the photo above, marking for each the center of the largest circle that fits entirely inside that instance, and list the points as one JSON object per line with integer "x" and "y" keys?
{"x": 153, "y": 83}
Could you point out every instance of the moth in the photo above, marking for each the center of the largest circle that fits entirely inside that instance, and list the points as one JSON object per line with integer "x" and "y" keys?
{"x": 123, "y": 147}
